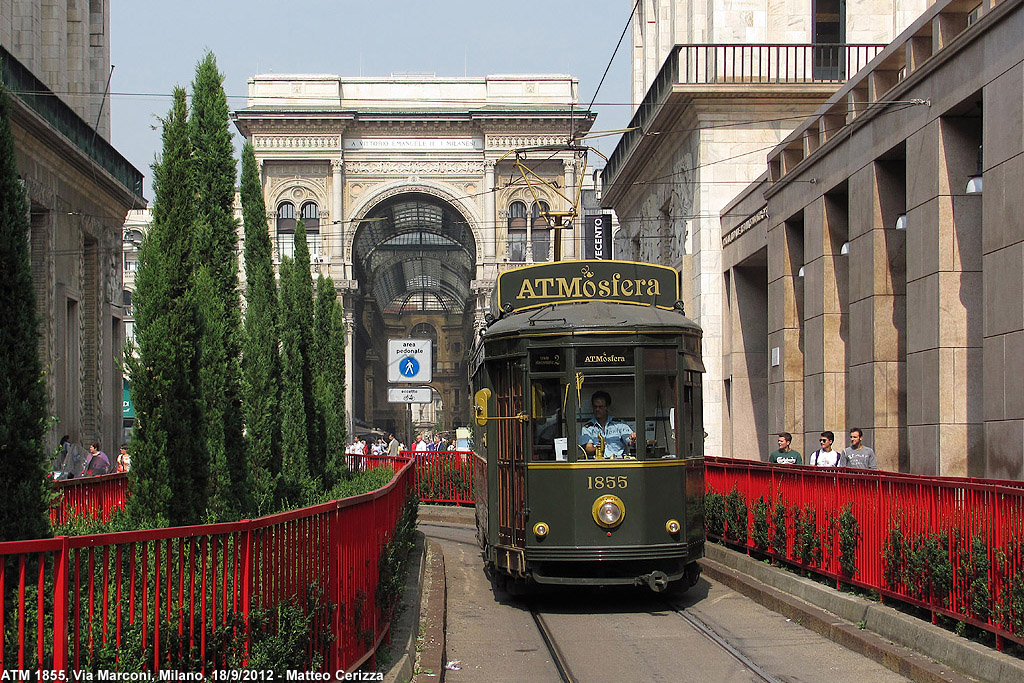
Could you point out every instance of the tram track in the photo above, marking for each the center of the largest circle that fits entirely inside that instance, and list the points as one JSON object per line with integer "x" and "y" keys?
{"x": 709, "y": 633}
{"x": 557, "y": 656}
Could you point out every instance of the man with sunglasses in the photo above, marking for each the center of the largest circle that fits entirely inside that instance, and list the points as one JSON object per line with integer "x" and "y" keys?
{"x": 825, "y": 456}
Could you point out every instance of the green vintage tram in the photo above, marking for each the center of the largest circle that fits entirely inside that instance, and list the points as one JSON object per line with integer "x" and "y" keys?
{"x": 589, "y": 445}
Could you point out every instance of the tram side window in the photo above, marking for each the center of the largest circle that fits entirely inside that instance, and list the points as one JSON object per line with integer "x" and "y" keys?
{"x": 547, "y": 420}
{"x": 660, "y": 416}
{"x": 692, "y": 424}
{"x": 620, "y": 414}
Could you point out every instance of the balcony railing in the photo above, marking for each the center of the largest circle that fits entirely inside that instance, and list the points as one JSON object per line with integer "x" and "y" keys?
{"x": 40, "y": 99}
{"x": 741, "y": 64}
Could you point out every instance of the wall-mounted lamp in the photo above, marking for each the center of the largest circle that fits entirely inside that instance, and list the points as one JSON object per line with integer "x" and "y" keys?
{"x": 901, "y": 222}
{"x": 800, "y": 273}
{"x": 845, "y": 249}
{"x": 974, "y": 180}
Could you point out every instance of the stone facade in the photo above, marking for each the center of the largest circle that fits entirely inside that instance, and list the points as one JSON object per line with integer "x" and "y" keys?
{"x": 716, "y": 89}
{"x": 893, "y": 282}
{"x": 348, "y": 148}
{"x": 79, "y": 193}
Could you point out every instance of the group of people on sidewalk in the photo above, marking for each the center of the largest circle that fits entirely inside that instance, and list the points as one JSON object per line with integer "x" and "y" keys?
{"x": 70, "y": 462}
{"x": 857, "y": 456}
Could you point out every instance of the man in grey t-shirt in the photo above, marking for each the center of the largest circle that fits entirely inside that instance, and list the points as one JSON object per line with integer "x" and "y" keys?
{"x": 858, "y": 456}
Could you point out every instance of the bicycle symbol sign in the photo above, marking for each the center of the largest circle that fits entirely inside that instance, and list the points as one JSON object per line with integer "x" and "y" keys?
{"x": 409, "y": 367}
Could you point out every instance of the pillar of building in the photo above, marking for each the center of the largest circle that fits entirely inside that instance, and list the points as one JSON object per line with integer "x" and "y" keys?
{"x": 785, "y": 347}
{"x": 1003, "y": 246}
{"x": 745, "y": 424}
{"x": 337, "y": 236}
{"x": 944, "y": 290}
{"x": 876, "y": 381}
{"x": 350, "y": 328}
{"x": 825, "y": 293}
{"x": 490, "y": 227}
{"x": 568, "y": 237}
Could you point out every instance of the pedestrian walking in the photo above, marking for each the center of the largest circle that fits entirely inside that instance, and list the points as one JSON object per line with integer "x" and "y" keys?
{"x": 825, "y": 456}
{"x": 98, "y": 462}
{"x": 858, "y": 456}
{"x": 785, "y": 454}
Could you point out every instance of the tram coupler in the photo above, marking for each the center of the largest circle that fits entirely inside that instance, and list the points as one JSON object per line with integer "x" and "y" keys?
{"x": 657, "y": 581}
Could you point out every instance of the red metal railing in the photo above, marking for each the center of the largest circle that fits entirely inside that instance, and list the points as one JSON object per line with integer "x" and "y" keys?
{"x": 954, "y": 546}
{"x": 89, "y": 496}
{"x": 66, "y": 599}
{"x": 441, "y": 476}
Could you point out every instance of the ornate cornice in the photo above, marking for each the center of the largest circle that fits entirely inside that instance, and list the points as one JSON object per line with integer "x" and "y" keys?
{"x": 416, "y": 168}
{"x": 514, "y": 141}
{"x": 292, "y": 142}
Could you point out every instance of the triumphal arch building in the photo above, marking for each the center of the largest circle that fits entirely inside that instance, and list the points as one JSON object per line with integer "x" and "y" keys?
{"x": 413, "y": 203}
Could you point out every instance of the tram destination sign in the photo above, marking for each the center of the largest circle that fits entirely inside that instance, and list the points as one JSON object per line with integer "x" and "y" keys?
{"x": 590, "y": 280}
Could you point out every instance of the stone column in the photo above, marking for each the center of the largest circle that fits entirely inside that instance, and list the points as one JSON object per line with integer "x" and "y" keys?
{"x": 569, "y": 236}
{"x": 337, "y": 253}
{"x": 746, "y": 365}
{"x": 1003, "y": 245}
{"x": 350, "y": 330}
{"x": 490, "y": 226}
{"x": 785, "y": 349}
{"x": 825, "y": 293}
{"x": 877, "y": 370}
{"x": 944, "y": 290}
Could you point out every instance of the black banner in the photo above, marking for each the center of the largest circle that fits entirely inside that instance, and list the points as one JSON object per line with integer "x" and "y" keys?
{"x": 597, "y": 236}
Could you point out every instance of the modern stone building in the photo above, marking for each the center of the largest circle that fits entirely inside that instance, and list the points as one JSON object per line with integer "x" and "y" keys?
{"x": 716, "y": 88}
{"x": 56, "y": 64}
{"x": 409, "y": 189}
{"x": 886, "y": 243}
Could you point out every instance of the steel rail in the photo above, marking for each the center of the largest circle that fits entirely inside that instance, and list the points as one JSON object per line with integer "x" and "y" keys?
{"x": 564, "y": 672}
{"x": 710, "y": 634}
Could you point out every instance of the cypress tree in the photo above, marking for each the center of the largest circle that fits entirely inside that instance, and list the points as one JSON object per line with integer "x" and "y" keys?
{"x": 216, "y": 242}
{"x": 169, "y": 461}
{"x": 295, "y": 481}
{"x": 261, "y": 361}
{"x": 24, "y": 512}
{"x": 321, "y": 333}
{"x": 303, "y": 276}
{"x": 330, "y": 379}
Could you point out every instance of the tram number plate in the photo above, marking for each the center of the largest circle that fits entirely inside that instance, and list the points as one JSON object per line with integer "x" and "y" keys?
{"x": 611, "y": 482}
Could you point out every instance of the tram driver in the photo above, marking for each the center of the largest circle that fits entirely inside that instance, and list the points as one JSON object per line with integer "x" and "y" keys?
{"x": 617, "y": 436}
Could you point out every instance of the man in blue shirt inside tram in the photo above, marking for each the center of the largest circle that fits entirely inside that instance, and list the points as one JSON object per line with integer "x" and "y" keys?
{"x": 619, "y": 437}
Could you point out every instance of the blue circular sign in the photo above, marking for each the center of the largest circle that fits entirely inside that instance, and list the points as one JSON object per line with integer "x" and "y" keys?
{"x": 409, "y": 367}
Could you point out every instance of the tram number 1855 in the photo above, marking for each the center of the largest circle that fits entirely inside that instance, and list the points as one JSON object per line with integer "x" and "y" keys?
{"x": 610, "y": 482}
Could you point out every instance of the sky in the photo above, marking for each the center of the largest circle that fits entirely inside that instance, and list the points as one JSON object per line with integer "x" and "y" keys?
{"x": 156, "y": 46}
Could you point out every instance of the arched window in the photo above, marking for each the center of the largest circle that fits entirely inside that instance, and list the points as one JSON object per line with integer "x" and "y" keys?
{"x": 311, "y": 219}
{"x": 517, "y": 231}
{"x": 425, "y": 331}
{"x": 285, "y": 229}
{"x": 540, "y": 232}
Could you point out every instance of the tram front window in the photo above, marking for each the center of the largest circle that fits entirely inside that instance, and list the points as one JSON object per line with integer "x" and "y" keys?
{"x": 607, "y": 418}
{"x": 660, "y": 416}
{"x": 548, "y": 422}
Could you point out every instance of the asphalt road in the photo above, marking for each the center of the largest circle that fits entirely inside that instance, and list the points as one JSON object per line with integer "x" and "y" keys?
{"x": 625, "y": 635}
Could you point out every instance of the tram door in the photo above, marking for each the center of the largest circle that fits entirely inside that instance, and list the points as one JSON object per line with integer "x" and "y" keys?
{"x": 511, "y": 459}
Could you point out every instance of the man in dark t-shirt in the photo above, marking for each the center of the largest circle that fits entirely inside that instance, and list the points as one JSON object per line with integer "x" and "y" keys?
{"x": 785, "y": 455}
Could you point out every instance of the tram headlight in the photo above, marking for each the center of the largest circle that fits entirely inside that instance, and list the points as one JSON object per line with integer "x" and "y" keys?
{"x": 540, "y": 529}
{"x": 609, "y": 511}
{"x": 672, "y": 526}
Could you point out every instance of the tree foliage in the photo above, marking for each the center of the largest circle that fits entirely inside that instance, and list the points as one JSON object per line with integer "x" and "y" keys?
{"x": 25, "y": 508}
{"x": 170, "y": 465}
{"x": 261, "y": 362}
{"x": 329, "y": 379}
{"x": 295, "y": 478}
{"x": 216, "y": 240}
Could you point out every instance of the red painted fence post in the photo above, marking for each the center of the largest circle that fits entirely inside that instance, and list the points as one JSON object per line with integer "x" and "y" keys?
{"x": 62, "y": 560}
{"x": 246, "y": 585}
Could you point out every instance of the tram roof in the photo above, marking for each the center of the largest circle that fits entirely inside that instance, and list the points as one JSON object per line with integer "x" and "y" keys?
{"x": 589, "y": 316}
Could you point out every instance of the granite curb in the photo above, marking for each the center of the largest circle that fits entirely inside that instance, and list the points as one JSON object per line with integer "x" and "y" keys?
{"x": 403, "y": 636}
{"x": 446, "y": 514}
{"x": 433, "y": 618}
{"x": 910, "y": 646}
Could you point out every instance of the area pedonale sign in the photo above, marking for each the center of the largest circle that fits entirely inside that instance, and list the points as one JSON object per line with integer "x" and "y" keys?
{"x": 590, "y": 280}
